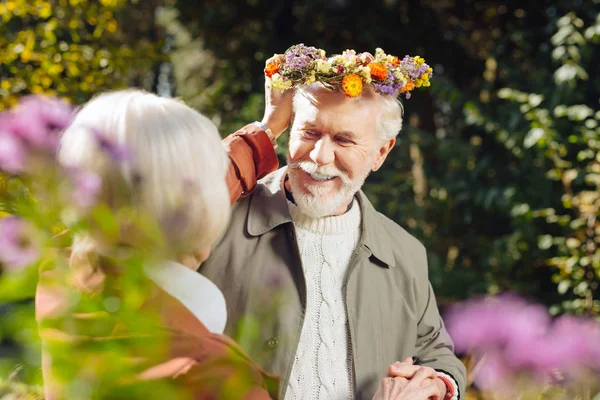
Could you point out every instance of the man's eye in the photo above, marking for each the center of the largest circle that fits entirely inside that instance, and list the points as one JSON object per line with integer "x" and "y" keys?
{"x": 343, "y": 140}
{"x": 311, "y": 133}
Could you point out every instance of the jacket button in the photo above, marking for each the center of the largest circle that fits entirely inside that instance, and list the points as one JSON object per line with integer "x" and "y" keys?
{"x": 272, "y": 343}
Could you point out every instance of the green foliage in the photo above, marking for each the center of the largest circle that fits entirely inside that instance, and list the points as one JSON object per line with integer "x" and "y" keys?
{"x": 13, "y": 388}
{"x": 478, "y": 171}
{"x": 74, "y": 48}
{"x": 496, "y": 170}
{"x": 555, "y": 138}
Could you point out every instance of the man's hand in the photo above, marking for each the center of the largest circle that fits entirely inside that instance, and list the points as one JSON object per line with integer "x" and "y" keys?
{"x": 391, "y": 388}
{"x": 278, "y": 107}
{"x": 407, "y": 370}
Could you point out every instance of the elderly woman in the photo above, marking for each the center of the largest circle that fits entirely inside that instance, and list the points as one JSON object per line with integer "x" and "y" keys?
{"x": 179, "y": 174}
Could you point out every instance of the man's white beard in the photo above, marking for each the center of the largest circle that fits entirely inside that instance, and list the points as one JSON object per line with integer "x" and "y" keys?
{"x": 317, "y": 203}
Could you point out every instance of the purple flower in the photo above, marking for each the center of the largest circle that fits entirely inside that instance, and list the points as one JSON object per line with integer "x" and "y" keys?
{"x": 494, "y": 374}
{"x": 57, "y": 114}
{"x": 482, "y": 324}
{"x": 19, "y": 243}
{"x": 87, "y": 186}
{"x": 572, "y": 344}
{"x": 410, "y": 67}
{"x": 39, "y": 120}
{"x": 116, "y": 151}
{"x": 299, "y": 57}
{"x": 521, "y": 339}
{"x": 12, "y": 152}
{"x": 387, "y": 87}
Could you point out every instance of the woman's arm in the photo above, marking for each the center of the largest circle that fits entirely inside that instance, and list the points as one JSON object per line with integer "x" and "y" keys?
{"x": 252, "y": 149}
{"x": 252, "y": 156}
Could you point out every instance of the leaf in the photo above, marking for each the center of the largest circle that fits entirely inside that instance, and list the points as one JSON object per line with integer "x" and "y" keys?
{"x": 545, "y": 242}
{"x": 535, "y": 99}
{"x": 532, "y": 137}
{"x": 563, "y": 286}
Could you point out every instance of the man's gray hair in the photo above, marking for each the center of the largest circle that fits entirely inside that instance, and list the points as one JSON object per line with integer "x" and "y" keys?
{"x": 389, "y": 119}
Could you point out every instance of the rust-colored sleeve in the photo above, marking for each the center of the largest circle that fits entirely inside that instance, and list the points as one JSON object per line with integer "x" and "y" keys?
{"x": 252, "y": 157}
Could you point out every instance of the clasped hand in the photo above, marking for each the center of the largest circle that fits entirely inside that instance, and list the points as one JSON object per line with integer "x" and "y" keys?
{"x": 410, "y": 382}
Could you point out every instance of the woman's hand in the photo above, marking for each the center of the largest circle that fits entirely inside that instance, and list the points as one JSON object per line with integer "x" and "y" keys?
{"x": 419, "y": 387}
{"x": 278, "y": 107}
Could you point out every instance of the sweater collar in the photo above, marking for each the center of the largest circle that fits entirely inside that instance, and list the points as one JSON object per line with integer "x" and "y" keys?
{"x": 269, "y": 209}
{"x": 196, "y": 292}
{"x": 332, "y": 225}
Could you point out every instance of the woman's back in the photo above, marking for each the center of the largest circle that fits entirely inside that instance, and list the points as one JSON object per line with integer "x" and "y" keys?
{"x": 163, "y": 170}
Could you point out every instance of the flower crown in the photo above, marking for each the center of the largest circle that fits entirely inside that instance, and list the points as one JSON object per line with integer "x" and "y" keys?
{"x": 348, "y": 72}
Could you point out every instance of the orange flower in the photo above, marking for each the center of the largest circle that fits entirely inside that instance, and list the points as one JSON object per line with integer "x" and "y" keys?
{"x": 272, "y": 68}
{"x": 408, "y": 87}
{"x": 378, "y": 71}
{"x": 395, "y": 62}
{"x": 352, "y": 85}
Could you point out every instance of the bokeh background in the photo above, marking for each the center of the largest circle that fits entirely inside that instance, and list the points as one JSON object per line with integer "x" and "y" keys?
{"x": 497, "y": 168}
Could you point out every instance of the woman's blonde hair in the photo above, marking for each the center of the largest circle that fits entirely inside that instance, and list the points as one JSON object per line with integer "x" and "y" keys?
{"x": 174, "y": 169}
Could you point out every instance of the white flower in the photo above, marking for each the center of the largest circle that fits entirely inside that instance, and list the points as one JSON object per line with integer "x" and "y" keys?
{"x": 339, "y": 59}
{"x": 322, "y": 52}
{"x": 349, "y": 64}
{"x": 398, "y": 74}
{"x": 349, "y": 53}
{"x": 323, "y": 66}
{"x": 280, "y": 83}
{"x": 364, "y": 73}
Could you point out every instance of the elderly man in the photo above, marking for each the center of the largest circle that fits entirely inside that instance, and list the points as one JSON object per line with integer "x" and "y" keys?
{"x": 322, "y": 289}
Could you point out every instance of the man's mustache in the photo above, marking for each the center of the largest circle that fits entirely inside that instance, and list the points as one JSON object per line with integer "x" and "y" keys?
{"x": 312, "y": 168}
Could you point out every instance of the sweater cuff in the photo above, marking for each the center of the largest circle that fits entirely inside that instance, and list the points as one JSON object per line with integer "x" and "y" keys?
{"x": 252, "y": 157}
{"x": 451, "y": 386}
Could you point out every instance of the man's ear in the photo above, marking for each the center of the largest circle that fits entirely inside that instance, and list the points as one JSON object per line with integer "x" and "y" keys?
{"x": 382, "y": 154}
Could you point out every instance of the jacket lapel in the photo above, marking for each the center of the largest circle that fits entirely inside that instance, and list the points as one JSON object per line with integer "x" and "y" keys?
{"x": 268, "y": 209}
{"x": 268, "y": 205}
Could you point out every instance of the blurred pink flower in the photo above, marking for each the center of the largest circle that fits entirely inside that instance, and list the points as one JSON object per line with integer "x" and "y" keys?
{"x": 12, "y": 152}
{"x": 38, "y": 121}
{"x": 484, "y": 323}
{"x": 495, "y": 374}
{"x": 86, "y": 188}
{"x": 19, "y": 243}
{"x": 114, "y": 150}
{"x": 514, "y": 338}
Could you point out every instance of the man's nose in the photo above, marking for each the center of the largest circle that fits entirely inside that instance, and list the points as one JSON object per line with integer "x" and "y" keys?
{"x": 323, "y": 153}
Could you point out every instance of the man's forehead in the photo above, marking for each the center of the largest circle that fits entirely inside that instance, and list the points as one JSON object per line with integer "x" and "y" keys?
{"x": 349, "y": 118}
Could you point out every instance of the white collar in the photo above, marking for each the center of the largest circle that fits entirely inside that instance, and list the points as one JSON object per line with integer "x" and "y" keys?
{"x": 198, "y": 294}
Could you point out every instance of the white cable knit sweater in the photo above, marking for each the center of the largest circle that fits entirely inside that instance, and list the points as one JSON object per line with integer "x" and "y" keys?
{"x": 323, "y": 365}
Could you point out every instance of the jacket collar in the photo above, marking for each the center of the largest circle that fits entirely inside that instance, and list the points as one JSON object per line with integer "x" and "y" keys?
{"x": 269, "y": 209}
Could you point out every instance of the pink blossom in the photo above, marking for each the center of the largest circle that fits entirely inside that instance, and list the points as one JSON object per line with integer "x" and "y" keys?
{"x": 38, "y": 121}
{"x": 19, "y": 243}
{"x": 114, "y": 150}
{"x": 494, "y": 374}
{"x": 12, "y": 153}
{"x": 366, "y": 58}
{"x": 87, "y": 186}
{"x": 481, "y": 324}
{"x": 514, "y": 338}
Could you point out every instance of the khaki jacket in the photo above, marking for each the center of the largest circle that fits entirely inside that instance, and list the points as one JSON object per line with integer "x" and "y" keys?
{"x": 392, "y": 311}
